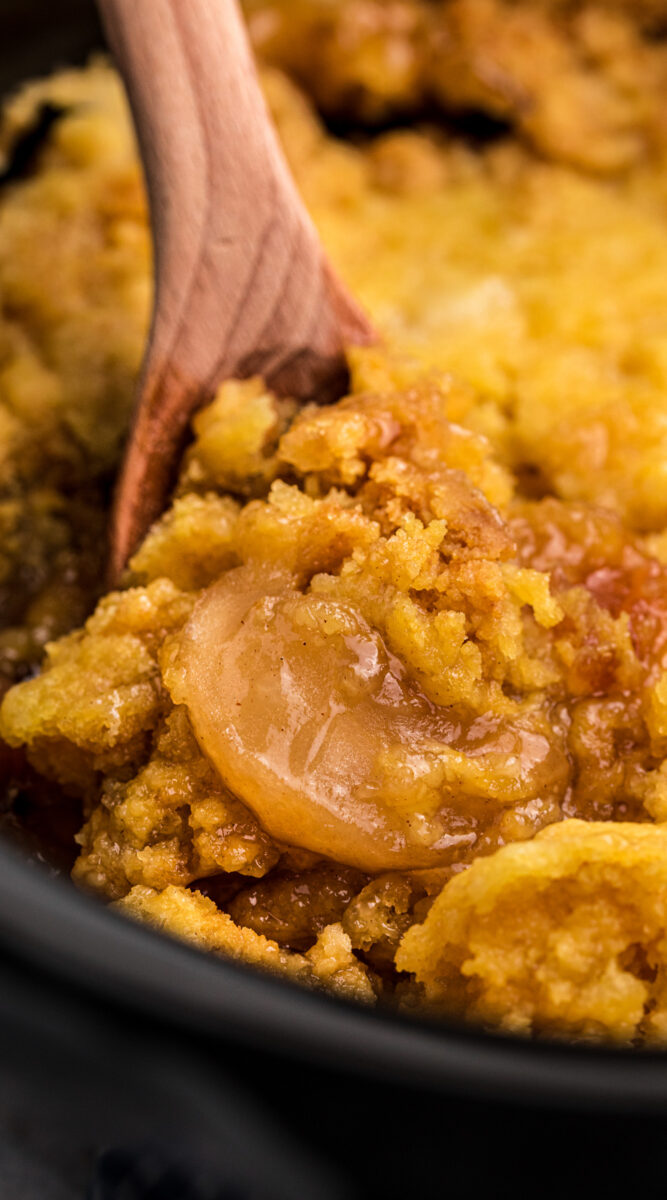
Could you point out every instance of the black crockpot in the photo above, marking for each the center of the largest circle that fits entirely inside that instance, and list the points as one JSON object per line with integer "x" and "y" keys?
{"x": 246, "y": 1085}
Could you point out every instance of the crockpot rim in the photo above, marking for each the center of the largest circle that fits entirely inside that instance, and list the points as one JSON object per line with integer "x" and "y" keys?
{"x": 84, "y": 945}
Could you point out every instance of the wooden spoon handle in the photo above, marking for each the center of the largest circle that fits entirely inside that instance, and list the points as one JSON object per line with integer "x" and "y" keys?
{"x": 242, "y": 285}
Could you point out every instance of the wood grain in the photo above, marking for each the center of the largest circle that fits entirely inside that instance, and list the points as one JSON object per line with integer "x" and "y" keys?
{"x": 242, "y": 284}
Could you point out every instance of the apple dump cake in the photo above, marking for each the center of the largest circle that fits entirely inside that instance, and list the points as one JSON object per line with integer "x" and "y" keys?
{"x": 382, "y": 703}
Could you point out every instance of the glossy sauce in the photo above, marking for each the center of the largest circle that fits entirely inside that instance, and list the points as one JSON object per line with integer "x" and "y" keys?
{"x": 312, "y": 721}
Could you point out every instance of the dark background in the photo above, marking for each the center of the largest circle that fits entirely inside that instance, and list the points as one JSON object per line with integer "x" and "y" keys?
{"x": 214, "y": 1119}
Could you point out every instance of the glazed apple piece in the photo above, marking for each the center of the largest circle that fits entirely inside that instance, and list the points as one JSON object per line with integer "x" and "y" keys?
{"x": 311, "y": 720}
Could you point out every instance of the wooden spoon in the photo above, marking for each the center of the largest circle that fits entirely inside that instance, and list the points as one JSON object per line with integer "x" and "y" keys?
{"x": 242, "y": 284}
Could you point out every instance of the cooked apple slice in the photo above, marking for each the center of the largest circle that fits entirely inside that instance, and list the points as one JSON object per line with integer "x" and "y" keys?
{"x": 311, "y": 720}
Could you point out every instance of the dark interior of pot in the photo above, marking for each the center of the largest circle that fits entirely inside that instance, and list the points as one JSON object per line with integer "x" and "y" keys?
{"x": 35, "y": 43}
{"x": 267, "y": 1088}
